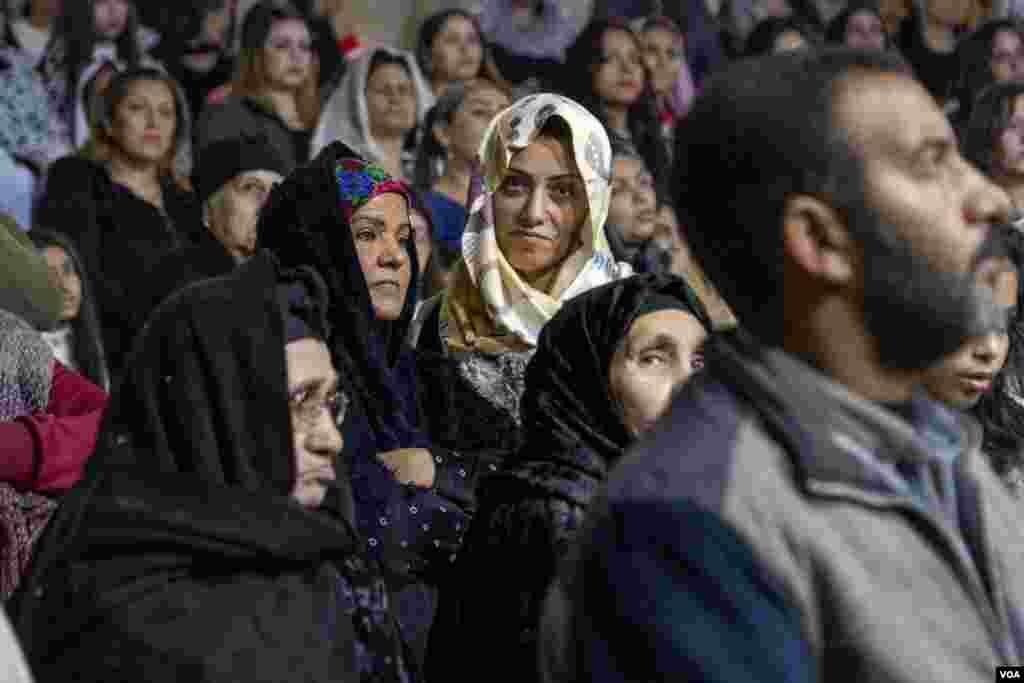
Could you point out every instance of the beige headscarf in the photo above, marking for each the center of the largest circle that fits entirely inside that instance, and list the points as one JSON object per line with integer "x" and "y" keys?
{"x": 489, "y": 308}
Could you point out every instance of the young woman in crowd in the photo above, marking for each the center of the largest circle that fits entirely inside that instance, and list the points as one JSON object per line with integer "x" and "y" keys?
{"x": 274, "y": 92}
{"x": 122, "y": 204}
{"x": 450, "y": 49}
{"x": 606, "y": 368}
{"x": 665, "y": 58}
{"x": 858, "y": 25}
{"x": 375, "y": 110}
{"x": 49, "y": 418}
{"x": 535, "y": 239}
{"x": 448, "y": 149}
{"x": 992, "y": 54}
{"x": 91, "y": 39}
{"x": 994, "y": 138}
{"x": 78, "y": 341}
{"x": 209, "y": 540}
{"x": 349, "y": 220}
{"x": 633, "y": 206}
{"x": 777, "y": 35}
{"x": 604, "y": 71}
{"x": 28, "y": 31}
{"x": 983, "y": 378}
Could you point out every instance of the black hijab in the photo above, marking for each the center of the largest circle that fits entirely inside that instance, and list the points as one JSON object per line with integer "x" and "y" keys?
{"x": 193, "y": 468}
{"x": 304, "y": 225}
{"x": 570, "y": 418}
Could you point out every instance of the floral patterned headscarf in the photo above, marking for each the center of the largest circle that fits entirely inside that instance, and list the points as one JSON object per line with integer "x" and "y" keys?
{"x": 489, "y": 307}
{"x": 360, "y": 181}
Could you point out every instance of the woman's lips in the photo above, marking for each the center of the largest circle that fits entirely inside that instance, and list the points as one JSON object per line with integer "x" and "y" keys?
{"x": 978, "y": 383}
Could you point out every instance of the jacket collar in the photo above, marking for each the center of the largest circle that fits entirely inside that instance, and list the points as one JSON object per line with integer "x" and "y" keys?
{"x": 840, "y": 441}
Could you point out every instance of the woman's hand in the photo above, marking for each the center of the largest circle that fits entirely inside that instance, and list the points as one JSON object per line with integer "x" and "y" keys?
{"x": 410, "y": 466}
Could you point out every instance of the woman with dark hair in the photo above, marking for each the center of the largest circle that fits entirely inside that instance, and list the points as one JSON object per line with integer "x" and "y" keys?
{"x": 452, "y": 132}
{"x": 606, "y": 368}
{"x": 90, "y": 39}
{"x": 375, "y": 110}
{"x": 121, "y": 202}
{"x": 604, "y": 71}
{"x": 994, "y": 137}
{"x": 671, "y": 80}
{"x": 858, "y": 25}
{"x": 983, "y": 377}
{"x": 992, "y": 54}
{"x": 777, "y": 34}
{"x": 211, "y": 538}
{"x": 275, "y": 92}
{"x": 78, "y": 341}
{"x": 449, "y": 49}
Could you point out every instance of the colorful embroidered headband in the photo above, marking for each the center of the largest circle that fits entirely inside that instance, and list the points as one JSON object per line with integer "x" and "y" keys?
{"x": 360, "y": 181}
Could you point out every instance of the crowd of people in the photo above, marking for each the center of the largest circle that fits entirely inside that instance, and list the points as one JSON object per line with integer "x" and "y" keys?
{"x": 682, "y": 343}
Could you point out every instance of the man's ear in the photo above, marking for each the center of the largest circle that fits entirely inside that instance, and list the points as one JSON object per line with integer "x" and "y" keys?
{"x": 816, "y": 239}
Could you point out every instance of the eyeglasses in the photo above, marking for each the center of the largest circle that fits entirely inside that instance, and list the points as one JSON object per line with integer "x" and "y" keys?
{"x": 306, "y": 408}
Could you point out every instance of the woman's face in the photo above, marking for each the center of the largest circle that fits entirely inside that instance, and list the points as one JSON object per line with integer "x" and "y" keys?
{"x": 390, "y": 101}
{"x": 619, "y": 75}
{"x": 539, "y": 209}
{"x": 144, "y": 121}
{"x": 634, "y": 203}
{"x": 963, "y": 377}
{"x": 1009, "y": 151}
{"x": 789, "y": 41}
{"x": 864, "y": 31}
{"x": 658, "y": 356}
{"x": 424, "y": 243}
{"x": 316, "y": 409}
{"x": 110, "y": 18}
{"x": 663, "y": 55}
{"x": 463, "y": 135}
{"x": 1007, "y": 63}
{"x": 668, "y": 235}
{"x": 457, "y": 52}
{"x": 379, "y": 229}
{"x": 62, "y": 271}
{"x": 287, "y": 55}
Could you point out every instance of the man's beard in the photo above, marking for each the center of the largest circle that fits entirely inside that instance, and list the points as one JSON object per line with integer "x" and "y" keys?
{"x": 916, "y": 312}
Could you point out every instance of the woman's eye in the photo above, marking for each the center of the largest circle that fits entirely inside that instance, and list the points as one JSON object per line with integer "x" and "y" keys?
{"x": 652, "y": 359}
{"x": 563, "y": 191}
{"x": 366, "y": 235}
{"x": 513, "y": 186}
{"x": 404, "y": 234}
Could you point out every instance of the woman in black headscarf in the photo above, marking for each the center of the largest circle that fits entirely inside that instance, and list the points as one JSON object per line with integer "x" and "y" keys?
{"x": 605, "y": 369}
{"x": 349, "y": 220}
{"x": 199, "y": 545}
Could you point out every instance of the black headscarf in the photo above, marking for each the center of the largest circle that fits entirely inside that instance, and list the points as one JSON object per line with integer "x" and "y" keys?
{"x": 194, "y": 464}
{"x": 569, "y": 414}
{"x": 303, "y": 224}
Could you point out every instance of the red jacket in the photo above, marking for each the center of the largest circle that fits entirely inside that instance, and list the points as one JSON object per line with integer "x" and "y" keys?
{"x": 45, "y": 452}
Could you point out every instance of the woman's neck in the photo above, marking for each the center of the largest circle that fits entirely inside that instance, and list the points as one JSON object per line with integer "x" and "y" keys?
{"x": 618, "y": 118}
{"x": 456, "y": 179}
{"x": 392, "y": 151}
{"x": 142, "y": 178}
{"x": 286, "y": 106}
{"x": 938, "y": 36}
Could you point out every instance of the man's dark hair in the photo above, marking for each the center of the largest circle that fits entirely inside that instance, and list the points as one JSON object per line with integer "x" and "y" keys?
{"x": 761, "y": 131}
{"x": 990, "y": 116}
